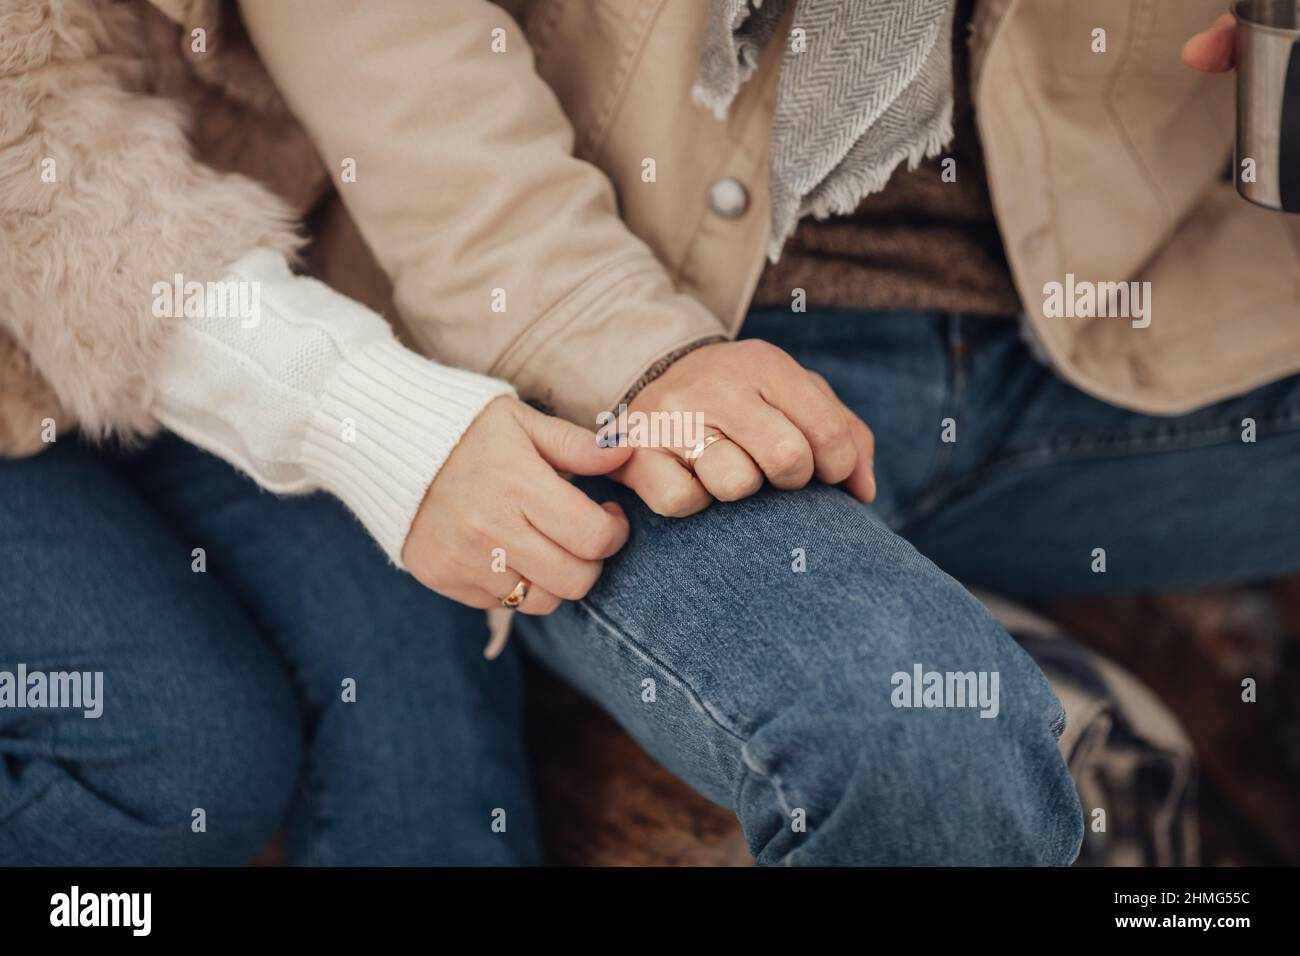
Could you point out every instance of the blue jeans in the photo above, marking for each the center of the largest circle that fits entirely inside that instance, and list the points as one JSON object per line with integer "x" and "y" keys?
{"x": 224, "y": 690}
{"x": 753, "y": 648}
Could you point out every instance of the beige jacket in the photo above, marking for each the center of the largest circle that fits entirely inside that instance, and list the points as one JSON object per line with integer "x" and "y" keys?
{"x": 521, "y": 178}
{"x": 490, "y": 156}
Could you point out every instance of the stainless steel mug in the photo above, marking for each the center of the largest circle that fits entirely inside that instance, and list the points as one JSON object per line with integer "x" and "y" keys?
{"x": 1268, "y": 102}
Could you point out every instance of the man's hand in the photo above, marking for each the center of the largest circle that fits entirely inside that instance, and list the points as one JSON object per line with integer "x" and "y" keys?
{"x": 1214, "y": 50}
{"x": 499, "y": 489}
{"x": 779, "y": 420}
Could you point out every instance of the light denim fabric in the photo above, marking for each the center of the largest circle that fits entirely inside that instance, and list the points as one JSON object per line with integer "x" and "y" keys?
{"x": 769, "y": 689}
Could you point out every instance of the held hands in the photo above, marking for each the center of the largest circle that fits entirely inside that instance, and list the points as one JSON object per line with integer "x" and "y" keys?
{"x": 499, "y": 490}
{"x": 776, "y": 420}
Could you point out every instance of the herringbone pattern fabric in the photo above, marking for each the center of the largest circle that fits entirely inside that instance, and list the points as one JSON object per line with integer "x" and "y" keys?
{"x": 865, "y": 87}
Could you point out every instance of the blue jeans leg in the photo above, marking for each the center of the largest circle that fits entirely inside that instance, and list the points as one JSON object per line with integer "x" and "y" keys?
{"x": 225, "y": 689}
{"x": 769, "y": 689}
{"x": 1053, "y": 480}
{"x": 197, "y": 714}
{"x": 426, "y": 765}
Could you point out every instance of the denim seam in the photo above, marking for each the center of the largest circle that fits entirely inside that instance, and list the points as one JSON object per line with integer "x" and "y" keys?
{"x": 1173, "y": 439}
{"x": 751, "y": 767}
{"x": 956, "y": 381}
{"x": 748, "y": 762}
{"x": 637, "y": 648}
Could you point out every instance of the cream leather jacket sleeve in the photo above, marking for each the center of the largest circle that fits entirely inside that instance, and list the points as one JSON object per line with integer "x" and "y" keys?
{"x": 507, "y": 254}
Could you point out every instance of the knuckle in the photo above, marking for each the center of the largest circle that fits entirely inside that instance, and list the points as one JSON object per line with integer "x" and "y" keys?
{"x": 481, "y": 528}
{"x": 599, "y": 542}
{"x": 591, "y": 547}
{"x": 828, "y": 431}
{"x": 739, "y": 485}
{"x": 787, "y": 458}
{"x": 674, "y": 501}
{"x": 576, "y": 584}
{"x": 839, "y": 469}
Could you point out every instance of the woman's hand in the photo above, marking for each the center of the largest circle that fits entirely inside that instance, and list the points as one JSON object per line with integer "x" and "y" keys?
{"x": 499, "y": 490}
{"x": 1214, "y": 50}
{"x": 778, "y": 421}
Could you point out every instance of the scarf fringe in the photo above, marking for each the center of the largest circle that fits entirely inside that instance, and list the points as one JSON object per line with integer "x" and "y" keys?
{"x": 717, "y": 102}
{"x": 737, "y": 31}
{"x": 722, "y": 77}
{"x": 856, "y": 185}
{"x": 846, "y": 191}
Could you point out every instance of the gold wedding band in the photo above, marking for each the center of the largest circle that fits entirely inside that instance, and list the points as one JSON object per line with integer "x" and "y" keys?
{"x": 694, "y": 454}
{"x": 516, "y": 597}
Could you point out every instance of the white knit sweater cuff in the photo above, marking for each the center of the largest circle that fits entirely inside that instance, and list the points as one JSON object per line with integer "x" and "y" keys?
{"x": 385, "y": 425}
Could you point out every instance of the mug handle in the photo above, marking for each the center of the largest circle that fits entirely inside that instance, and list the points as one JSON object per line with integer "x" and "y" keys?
{"x": 1289, "y": 151}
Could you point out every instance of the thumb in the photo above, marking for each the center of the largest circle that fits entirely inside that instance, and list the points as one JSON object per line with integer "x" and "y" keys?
{"x": 566, "y": 447}
{"x": 1213, "y": 50}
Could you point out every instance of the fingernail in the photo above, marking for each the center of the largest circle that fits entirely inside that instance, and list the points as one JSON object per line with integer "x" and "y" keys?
{"x": 613, "y": 441}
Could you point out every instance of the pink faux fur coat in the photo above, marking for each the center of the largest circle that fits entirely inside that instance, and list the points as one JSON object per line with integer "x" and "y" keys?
{"x": 106, "y": 186}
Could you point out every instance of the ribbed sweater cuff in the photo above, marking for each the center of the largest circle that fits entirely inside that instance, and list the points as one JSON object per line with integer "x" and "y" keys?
{"x": 385, "y": 425}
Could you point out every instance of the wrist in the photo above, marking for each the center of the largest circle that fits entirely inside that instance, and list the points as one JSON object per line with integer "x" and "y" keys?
{"x": 385, "y": 426}
{"x": 656, "y": 370}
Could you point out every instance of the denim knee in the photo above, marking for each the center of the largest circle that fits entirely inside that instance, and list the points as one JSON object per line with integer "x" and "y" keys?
{"x": 917, "y": 732}
{"x": 854, "y": 774}
{"x": 775, "y": 628}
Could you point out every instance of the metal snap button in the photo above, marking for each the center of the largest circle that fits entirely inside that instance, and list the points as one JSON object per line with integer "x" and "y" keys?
{"x": 728, "y": 198}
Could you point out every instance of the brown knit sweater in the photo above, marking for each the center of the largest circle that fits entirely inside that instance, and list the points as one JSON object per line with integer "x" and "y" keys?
{"x": 921, "y": 243}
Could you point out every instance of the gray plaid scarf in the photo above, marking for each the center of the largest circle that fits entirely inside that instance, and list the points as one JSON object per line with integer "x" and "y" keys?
{"x": 871, "y": 88}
